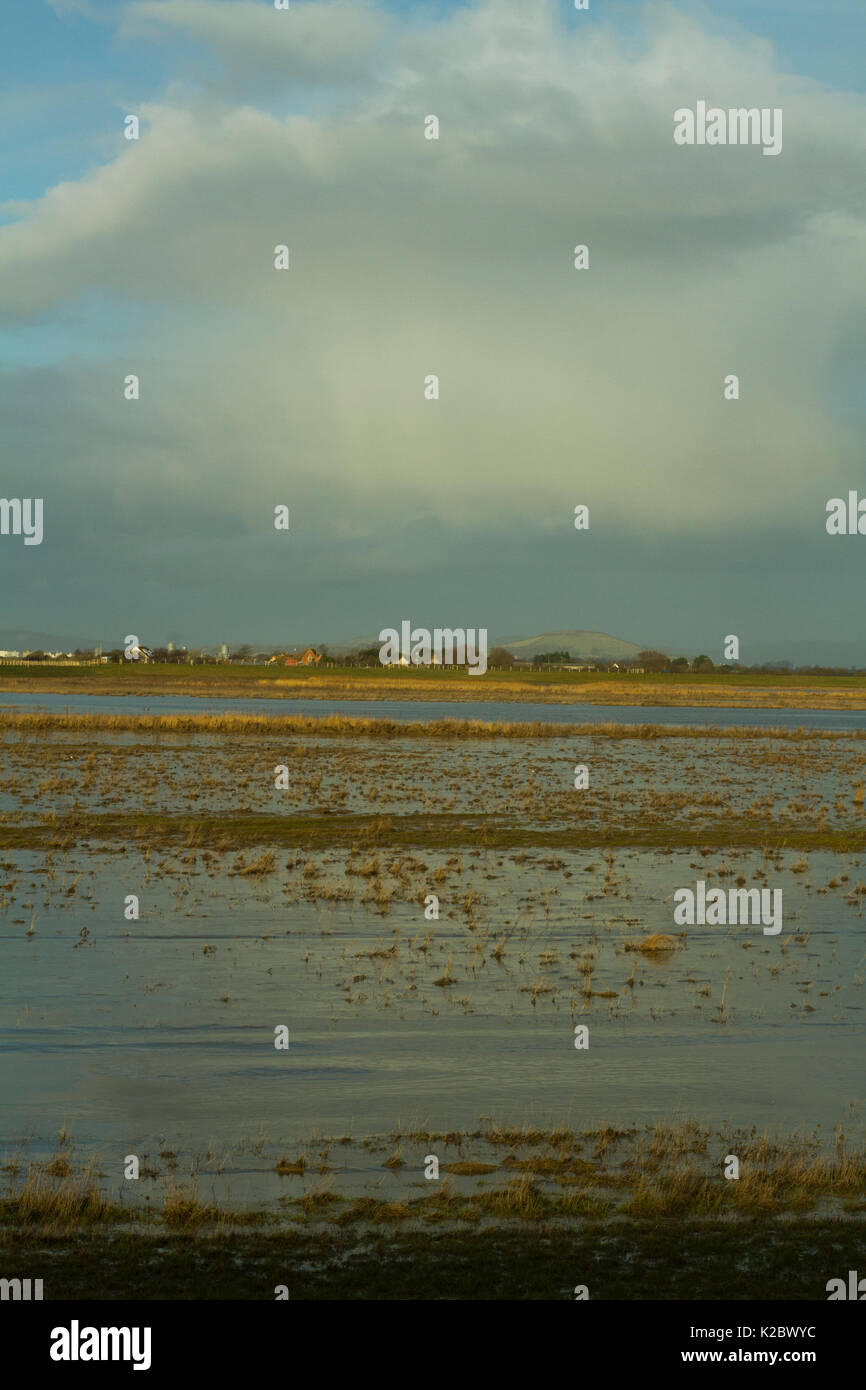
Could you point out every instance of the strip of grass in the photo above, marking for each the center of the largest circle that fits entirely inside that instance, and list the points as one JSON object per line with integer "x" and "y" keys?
{"x": 743, "y": 689}
{"x": 630, "y": 1260}
{"x": 347, "y": 726}
{"x": 134, "y": 676}
{"x": 421, "y": 831}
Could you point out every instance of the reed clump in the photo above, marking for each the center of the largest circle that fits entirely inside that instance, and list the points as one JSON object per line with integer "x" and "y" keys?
{"x": 67, "y": 1200}
{"x": 658, "y": 941}
{"x": 181, "y": 1208}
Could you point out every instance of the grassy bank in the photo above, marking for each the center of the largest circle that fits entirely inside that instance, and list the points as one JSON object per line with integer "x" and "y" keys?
{"x": 348, "y": 726}
{"x": 727, "y": 689}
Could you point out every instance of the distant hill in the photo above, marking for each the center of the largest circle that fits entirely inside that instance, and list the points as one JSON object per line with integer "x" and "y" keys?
{"x": 585, "y": 646}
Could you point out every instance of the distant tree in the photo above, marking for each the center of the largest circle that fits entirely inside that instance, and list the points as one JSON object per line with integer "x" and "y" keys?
{"x": 500, "y": 657}
{"x": 551, "y": 658}
{"x": 680, "y": 663}
{"x": 653, "y": 660}
{"x": 362, "y": 656}
{"x": 702, "y": 663}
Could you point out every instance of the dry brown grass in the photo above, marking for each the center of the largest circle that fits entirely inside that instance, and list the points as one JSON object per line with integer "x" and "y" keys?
{"x": 62, "y": 1200}
{"x": 658, "y": 941}
{"x": 339, "y": 726}
{"x": 181, "y": 1207}
{"x": 288, "y": 1166}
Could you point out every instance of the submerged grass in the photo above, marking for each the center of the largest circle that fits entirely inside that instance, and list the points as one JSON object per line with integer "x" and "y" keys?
{"x": 446, "y": 830}
{"x": 672, "y": 1169}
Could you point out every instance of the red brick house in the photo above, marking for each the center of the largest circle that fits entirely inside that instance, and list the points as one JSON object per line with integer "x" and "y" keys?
{"x": 310, "y": 657}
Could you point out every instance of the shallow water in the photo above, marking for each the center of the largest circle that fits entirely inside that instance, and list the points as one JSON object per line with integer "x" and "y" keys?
{"x": 137, "y": 1040}
{"x": 156, "y": 1036}
{"x": 415, "y": 710}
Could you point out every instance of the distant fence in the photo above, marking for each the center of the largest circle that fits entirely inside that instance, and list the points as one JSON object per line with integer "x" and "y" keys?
{"x": 48, "y": 661}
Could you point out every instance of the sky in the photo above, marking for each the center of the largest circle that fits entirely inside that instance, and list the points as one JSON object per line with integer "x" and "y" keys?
{"x": 411, "y": 257}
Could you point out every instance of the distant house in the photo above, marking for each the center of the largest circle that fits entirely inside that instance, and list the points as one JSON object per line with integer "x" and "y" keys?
{"x": 310, "y": 657}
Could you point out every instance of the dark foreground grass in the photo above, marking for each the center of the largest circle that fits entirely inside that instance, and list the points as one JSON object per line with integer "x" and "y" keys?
{"x": 670, "y": 1260}
{"x": 420, "y": 831}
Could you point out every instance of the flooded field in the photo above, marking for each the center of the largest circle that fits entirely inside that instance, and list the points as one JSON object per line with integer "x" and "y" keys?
{"x": 421, "y": 707}
{"x": 412, "y": 1033}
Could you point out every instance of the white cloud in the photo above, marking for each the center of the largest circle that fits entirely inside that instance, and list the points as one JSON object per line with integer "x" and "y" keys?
{"x": 411, "y": 257}
{"x": 329, "y": 40}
